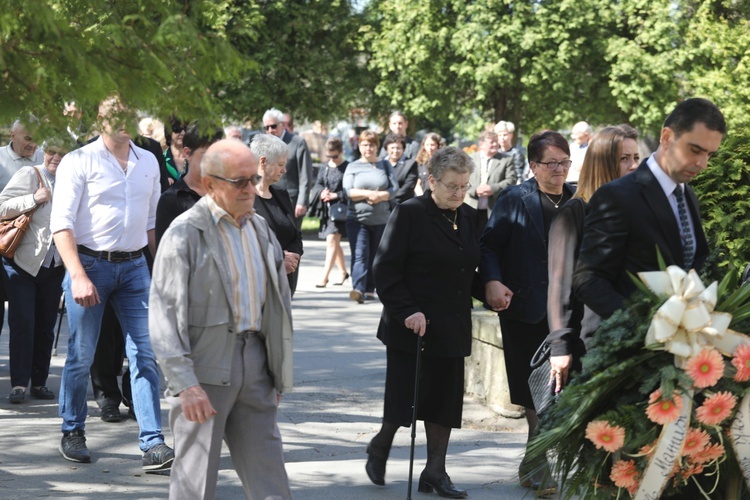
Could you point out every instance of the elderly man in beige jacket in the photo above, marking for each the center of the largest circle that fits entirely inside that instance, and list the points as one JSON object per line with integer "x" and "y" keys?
{"x": 221, "y": 328}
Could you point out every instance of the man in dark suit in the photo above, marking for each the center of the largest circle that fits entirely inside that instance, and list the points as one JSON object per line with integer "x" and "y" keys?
{"x": 298, "y": 178}
{"x": 652, "y": 208}
{"x": 493, "y": 172}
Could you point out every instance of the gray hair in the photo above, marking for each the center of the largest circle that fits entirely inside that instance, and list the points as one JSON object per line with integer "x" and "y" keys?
{"x": 268, "y": 146}
{"x": 504, "y": 126}
{"x": 450, "y": 158}
{"x": 232, "y": 128}
{"x": 273, "y": 114}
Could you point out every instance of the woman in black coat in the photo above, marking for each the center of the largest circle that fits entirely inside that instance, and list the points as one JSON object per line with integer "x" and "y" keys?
{"x": 274, "y": 204}
{"x": 424, "y": 270}
{"x": 514, "y": 270}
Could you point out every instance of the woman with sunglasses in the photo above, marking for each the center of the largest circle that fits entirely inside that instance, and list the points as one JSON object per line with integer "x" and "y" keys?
{"x": 329, "y": 189}
{"x": 34, "y": 275}
{"x": 514, "y": 271}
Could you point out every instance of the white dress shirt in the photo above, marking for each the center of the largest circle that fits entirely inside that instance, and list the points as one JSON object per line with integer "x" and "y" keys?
{"x": 107, "y": 208}
{"x": 668, "y": 186}
{"x": 10, "y": 163}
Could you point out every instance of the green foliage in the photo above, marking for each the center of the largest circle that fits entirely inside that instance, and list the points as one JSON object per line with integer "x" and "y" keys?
{"x": 158, "y": 56}
{"x": 724, "y": 193}
{"x": 306, "y": 61}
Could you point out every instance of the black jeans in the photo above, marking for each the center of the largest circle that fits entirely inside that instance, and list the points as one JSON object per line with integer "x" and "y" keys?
{"x": 110, "y": 353}
{"x": 32, "y": 311}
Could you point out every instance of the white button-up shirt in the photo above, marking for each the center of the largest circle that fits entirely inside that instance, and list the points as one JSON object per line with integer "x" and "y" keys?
{"x": 10, "y": 163}
{"x": 107, "y": 208}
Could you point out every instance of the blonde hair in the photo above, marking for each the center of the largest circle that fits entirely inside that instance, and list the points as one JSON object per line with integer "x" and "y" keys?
{"x": 602, "y": 161}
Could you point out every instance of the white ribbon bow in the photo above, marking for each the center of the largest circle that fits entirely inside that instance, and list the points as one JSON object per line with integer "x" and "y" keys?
{"x": 687, "y": 322}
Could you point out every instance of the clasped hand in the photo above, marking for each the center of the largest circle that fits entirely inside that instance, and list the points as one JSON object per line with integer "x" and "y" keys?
{"x": 416, "y": 323}
{"x": 497, "y": 295}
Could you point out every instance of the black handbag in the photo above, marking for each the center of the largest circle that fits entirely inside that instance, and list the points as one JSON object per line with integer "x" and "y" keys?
{"x": 542, "y": 389}
{"x": 337, "y": 212}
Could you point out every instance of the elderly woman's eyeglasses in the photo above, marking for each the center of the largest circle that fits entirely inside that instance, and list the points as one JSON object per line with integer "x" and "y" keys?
{"x": 240, "y": 182}
{"x": 54, "y": 151}
{"x": 552, "y": 165}
{"x": 455, "y": 189}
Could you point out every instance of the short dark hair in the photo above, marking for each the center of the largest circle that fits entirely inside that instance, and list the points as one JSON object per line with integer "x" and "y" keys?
{"x": 543, "y": 140}
{"x": 196, "y": 137}
{"x": 691, "y": 111}
{"x": 392, "y": 138}
{"x": 334, "y": 144}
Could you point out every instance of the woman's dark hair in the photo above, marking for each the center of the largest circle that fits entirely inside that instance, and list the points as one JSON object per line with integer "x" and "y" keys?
{"x": 392, "y": 138}
{"x": 545, "y": 139}
{"x": 334, "y": 144}
{"x": 173, "y": 124}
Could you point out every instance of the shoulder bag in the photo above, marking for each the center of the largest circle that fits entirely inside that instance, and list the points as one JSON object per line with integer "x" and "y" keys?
{"x": 13, "y": 230}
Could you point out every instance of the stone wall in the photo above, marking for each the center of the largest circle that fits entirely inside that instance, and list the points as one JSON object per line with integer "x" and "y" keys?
{"x": 485, "y": 368}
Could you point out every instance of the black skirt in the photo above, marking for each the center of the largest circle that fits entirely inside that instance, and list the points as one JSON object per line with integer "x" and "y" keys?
{"x": 520, "y": 342}
{"x": 441, "y": 389}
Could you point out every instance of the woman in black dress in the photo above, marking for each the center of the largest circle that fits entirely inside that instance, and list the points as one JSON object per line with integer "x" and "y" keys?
{"x": 329, "y": 190}
{"x": 424, "y": 271}
{"x": 274, "y": 204}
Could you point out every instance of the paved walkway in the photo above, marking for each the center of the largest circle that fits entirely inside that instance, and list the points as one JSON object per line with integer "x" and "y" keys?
{"x": 326, "y": 423}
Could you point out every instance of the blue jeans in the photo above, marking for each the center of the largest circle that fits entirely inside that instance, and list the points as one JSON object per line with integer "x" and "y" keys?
{"x": 363, "y": 242}
{"x": 126, "y": 286}
{"x": 32, "y": 311}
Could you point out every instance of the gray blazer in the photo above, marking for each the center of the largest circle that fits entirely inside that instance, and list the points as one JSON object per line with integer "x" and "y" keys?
{"x": 190, "y": 315}
{"x": 18, "y": 198}
{"x": 502, "y": 174}
{"x": 298, "y": 179}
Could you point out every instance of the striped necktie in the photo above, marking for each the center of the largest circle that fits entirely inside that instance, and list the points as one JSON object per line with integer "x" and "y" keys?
{"x": 688, "y": 242}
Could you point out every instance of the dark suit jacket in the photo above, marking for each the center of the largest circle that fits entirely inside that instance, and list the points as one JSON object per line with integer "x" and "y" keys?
{"x": 406, "y": 174}
{"x": 422, "y": 264}
{"x": 298, "y": 178}
{"x": 626, "y": 221}
{"x": 514, "y": 250}
{"x": 502, "y": 174}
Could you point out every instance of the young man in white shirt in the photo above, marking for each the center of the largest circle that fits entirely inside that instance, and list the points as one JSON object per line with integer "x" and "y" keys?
{"x": 104, "y": 213}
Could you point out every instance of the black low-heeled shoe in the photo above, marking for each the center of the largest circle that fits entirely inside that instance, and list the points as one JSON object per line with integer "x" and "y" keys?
{"x": 375, "y": 467}
{"x": 442, "y": 485}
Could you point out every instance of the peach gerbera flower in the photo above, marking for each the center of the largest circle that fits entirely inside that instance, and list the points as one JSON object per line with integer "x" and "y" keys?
{"x": 695, "y": 442}
{"x": 706, "y": 368}
{"x": 710, "y": 453}
{"x": 624, "y": 474}
{"x": 648, "y": 449}
{"x": 741, "y": 361}
{"x": 663, "y": 411}
{"x": 603, "y": 435}
{"x": 715, "y": 409}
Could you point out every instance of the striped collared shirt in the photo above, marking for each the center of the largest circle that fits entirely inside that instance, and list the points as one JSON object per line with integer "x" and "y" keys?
{"x": 244, "y": 261}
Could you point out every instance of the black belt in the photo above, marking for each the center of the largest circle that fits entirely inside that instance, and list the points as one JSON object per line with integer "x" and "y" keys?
{"x": 110, "y": 256}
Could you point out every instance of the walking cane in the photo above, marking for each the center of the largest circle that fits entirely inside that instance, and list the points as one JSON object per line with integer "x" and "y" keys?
{"x": 420, "y": 347}
{"x": 61, "y": 311}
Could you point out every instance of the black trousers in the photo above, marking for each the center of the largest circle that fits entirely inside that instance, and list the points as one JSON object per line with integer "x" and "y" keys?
{"x": 110, "y": 353}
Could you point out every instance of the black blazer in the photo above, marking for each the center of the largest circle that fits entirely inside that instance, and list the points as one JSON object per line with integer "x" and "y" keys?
{"x": 406, "y": 174}
{"x": 422, "y": 264}
{"x": 514, "y": 250}
{"x": 626, "y": 221}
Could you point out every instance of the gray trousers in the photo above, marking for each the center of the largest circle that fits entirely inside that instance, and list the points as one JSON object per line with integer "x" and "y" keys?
{"x": 246, "y": 420}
